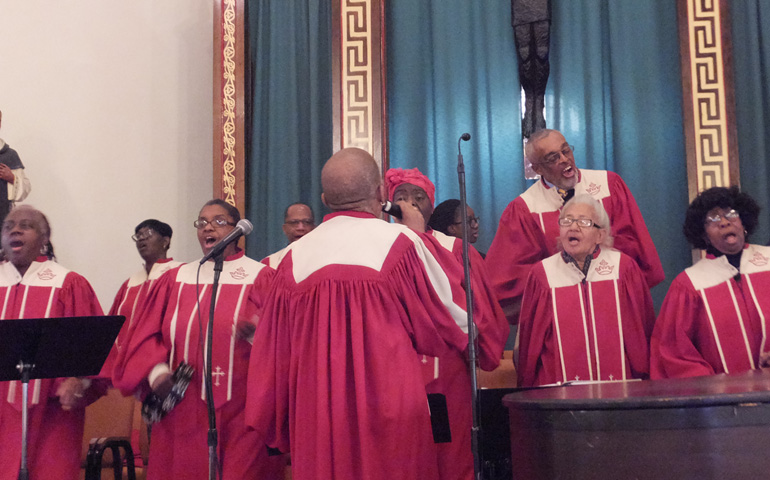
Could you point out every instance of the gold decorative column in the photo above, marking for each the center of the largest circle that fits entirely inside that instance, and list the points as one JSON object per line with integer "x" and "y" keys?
{"x": 359, "y": 77}
{"x": 708, "y": 99}
{"x": 229, "y": 103}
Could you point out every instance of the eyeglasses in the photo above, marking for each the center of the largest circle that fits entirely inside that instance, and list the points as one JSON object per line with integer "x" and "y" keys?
{"x": 218, "y": 222}
{"x": 554, "y": 157}
{"x": 731, "y": 216}
{"x": 582, "y": 222}
{"x": 143, "y": 235}
{"x": 471, "y": 221}
{"x": 306, "y": 222}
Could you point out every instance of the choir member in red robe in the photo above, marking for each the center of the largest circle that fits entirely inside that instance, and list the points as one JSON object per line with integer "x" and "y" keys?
{"x": 33, "y": 285}
{"x": 528, "y": 228}
{"x": 586, "y": 312}
{"x": 153, "y": 239}
{"x": 170, "y": 328}
{"x": 334, "y": 376}
{"x": 449, "y": 375}
{"x": 714, "y": 318}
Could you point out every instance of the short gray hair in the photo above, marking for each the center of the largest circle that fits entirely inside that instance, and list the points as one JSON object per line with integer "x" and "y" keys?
{"x": 529, "y": 147}
{"x": 603, "y": 219}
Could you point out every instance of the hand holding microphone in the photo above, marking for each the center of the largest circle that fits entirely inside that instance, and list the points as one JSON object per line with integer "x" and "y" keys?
{"x": 409, "y": 215}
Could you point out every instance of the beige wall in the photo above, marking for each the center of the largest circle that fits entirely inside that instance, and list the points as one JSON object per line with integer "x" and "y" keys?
{"x": 108, "y": 103}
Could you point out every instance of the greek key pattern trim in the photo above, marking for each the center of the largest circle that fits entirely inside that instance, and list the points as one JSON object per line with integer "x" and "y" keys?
{"x": 708, "y": 94}
{"x": 228, "y": 101}
{"x": 357, "y": 95}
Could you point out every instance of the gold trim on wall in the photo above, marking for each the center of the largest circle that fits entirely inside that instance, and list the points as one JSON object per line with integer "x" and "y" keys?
{"x": 708, "y": 100}
{"x": 229, "y": 103}
{"x": 358, "y": 53}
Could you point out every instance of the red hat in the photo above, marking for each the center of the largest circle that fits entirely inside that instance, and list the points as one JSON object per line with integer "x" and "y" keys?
{"x": 398, "y": 176}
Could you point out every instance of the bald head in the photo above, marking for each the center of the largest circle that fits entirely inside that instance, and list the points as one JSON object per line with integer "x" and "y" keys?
{"x": 351, "y": 181}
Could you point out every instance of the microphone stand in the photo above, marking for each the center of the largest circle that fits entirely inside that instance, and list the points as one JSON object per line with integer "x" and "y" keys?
{"x": 212, "y": 435}
{"x": 24, "y": 368}
{"x": 472, "y": 356}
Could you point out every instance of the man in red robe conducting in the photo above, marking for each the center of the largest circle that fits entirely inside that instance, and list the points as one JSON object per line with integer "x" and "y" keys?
{"x": 333, "y": 375}
{"x": 528, "y": 227}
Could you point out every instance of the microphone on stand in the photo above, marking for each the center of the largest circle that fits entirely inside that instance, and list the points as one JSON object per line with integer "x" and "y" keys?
{"x": 243, "y": 227}
{"x": 472, "y": 355}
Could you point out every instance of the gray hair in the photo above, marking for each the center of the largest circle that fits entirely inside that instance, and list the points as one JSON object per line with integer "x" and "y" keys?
{"x": 603, "y": 221}
{"x": 529, "y": 147}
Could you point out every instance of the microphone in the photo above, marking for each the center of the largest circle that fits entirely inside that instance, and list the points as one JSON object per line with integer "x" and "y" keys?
{"x": 392, "y": 209}
{"x": 243, "y": 227}
{"x": 463, "y": 138}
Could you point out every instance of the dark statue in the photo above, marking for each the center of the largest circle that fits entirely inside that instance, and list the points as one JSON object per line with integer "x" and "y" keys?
{"x": 532, "y": 29}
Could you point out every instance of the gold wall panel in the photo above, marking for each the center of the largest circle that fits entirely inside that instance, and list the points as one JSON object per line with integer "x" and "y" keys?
{"x": 358, "y": 52}
{"x": 229, "y": 102}
{"x": 708, "y": 101}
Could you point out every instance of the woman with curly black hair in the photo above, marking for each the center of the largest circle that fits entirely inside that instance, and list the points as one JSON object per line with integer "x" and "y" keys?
{"x": 714, "y": 317}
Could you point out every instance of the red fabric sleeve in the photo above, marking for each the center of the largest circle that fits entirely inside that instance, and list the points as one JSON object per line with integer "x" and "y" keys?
{"x": 425, "y": 316}
{"x": 535, "y": 328}
{"x": 488, "y": 315}
{"x": 630, "y": 231}
{"x": 518, "y": 245}
{"x": 672, "y": 351}
{"x": 78, "y": 299}
{"x": 638, "y": 317}
{"x": 144, "y": 344}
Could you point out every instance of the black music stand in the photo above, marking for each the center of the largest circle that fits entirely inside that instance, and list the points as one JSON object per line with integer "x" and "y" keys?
{"x": 51, "y": 348}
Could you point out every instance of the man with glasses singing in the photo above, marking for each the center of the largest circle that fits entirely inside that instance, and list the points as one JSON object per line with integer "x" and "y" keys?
{"x": 529, "y": 226}
{"x": 298, "y": 221}
{"x": 153, "y": 239}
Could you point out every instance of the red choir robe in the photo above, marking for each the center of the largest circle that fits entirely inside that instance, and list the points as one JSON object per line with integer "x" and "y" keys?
{"x": 449, "y": 374}
{"x": 127, "y": 301}
{"x": 577, "y": 327}
{"x": 274, "y": 259}
{"x": 167, "y": 330}
{"x": 333, "y": 375}
{"x": 711, "y": 322}
{"x": 529, "y": 229}
{"x": 55, "y": 436}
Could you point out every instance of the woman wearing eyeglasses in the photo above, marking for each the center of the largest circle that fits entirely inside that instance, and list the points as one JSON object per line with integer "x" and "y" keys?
{"x": 714, "y": 317}
{"x": 586, "y": 312}
{"x": 153, "y": 239}
{"x": 171, "y": 329}
{"x": 447, "y": 219}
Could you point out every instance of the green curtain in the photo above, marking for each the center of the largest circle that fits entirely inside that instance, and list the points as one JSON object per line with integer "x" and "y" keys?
{"x": 452, "y": 69}
{"x": 614, "y": 91}
{"x": 289, "y": 113}
{"x": 751, "y": 64}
